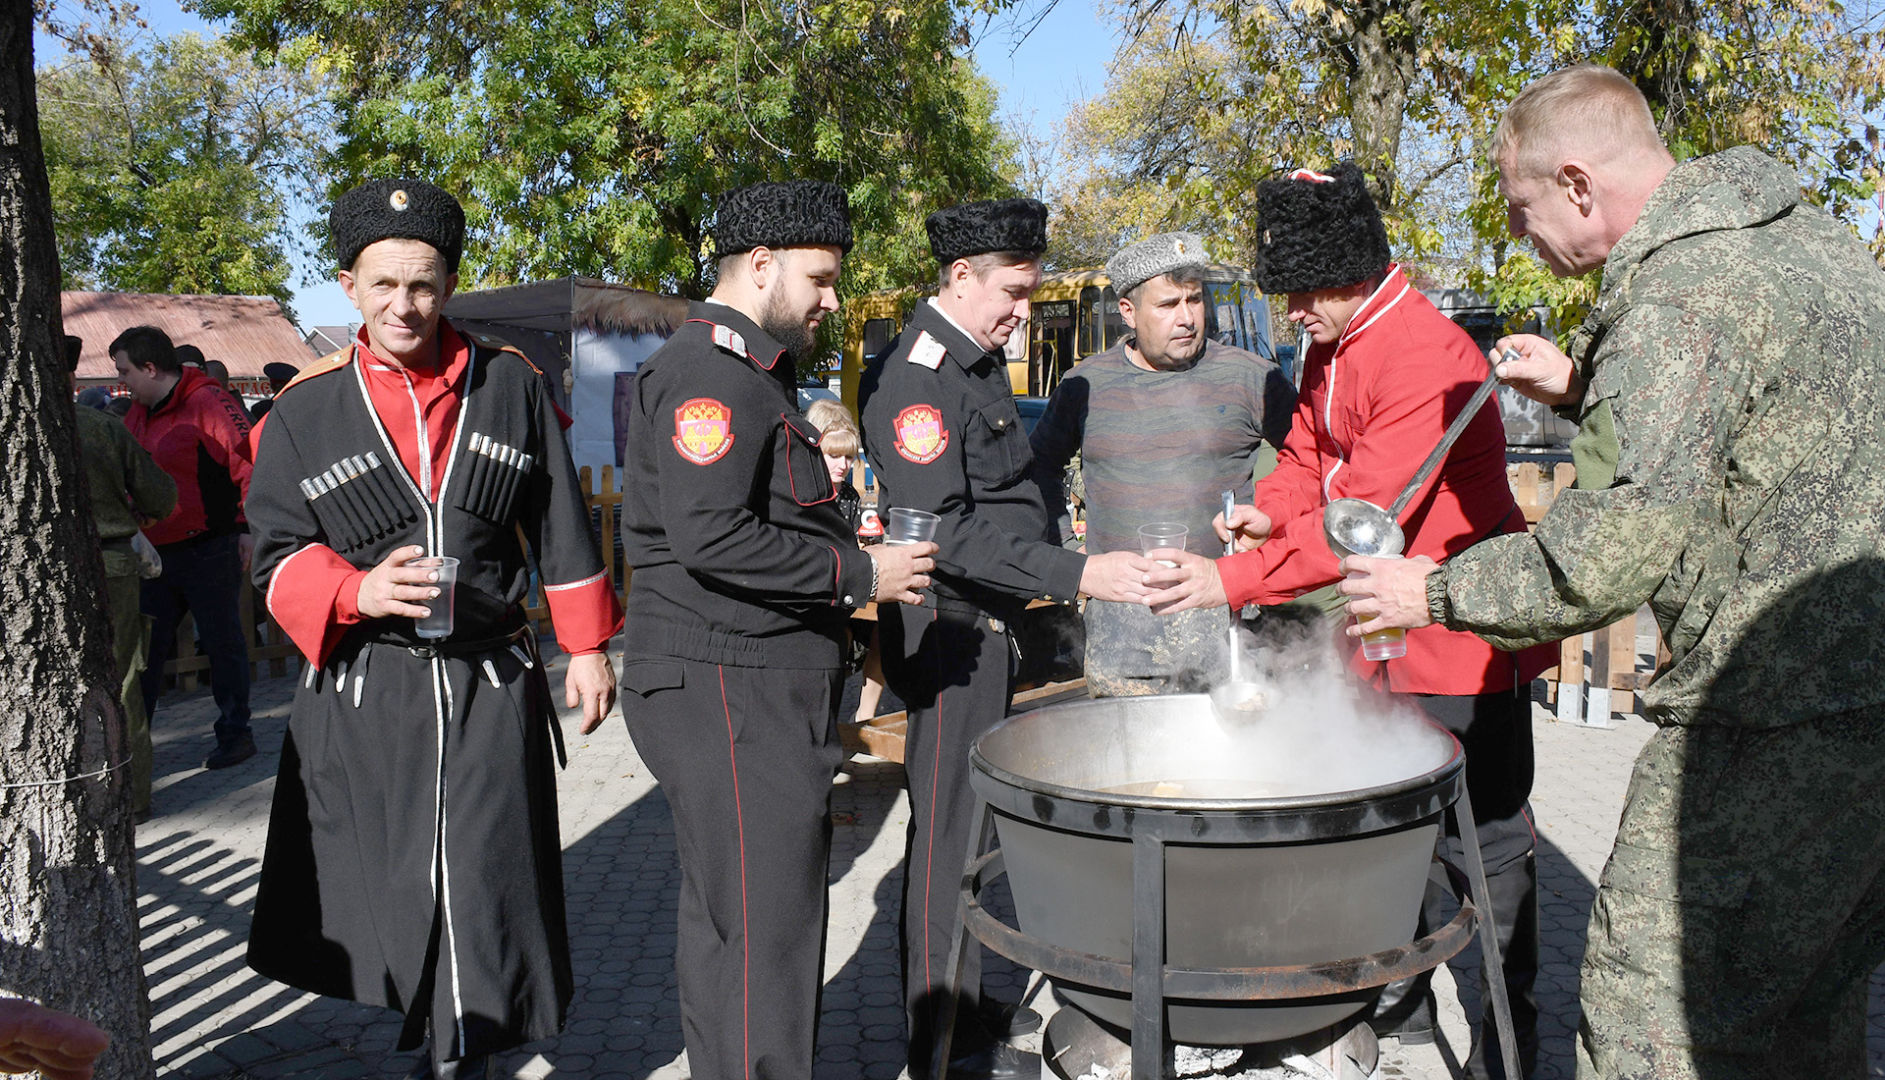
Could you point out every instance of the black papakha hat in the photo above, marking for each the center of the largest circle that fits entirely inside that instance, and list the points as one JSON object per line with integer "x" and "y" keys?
{"x": 792, "y": 213}
{"x": 1318, "y": 231}
{"x": 402, "y": 209}
{"x": 977, "y": 228}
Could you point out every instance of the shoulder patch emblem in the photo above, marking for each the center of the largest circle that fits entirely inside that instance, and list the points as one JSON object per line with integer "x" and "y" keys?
{"x": 703, "y": 430}
{"x": 729, "y": 339}
{"x": 927, "y": 351}
{"x": 921, "y": 436}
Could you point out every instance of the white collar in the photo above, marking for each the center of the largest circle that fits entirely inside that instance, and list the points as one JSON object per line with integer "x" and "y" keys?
{"x": 959, "y": 328}
{"x": 1393, "y": 281}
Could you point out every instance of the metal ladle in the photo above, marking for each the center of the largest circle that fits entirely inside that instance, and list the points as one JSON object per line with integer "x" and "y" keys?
{"x": 1238, "y": 698}
{"x": 1359, "y": 527}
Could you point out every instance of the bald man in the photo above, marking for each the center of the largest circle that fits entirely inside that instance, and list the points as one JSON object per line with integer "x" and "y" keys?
{"x": 1729, "y": 387}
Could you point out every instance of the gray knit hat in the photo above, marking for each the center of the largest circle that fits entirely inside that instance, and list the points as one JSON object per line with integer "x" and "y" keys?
{"x": 1136, "y": 264}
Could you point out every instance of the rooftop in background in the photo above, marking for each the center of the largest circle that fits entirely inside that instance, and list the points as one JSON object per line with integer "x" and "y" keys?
{"x": 331, "y": 339}
{"x": 244, "y": 332}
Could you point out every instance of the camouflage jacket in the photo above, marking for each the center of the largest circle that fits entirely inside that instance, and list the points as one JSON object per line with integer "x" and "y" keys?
{"x": 1737, "y": 348}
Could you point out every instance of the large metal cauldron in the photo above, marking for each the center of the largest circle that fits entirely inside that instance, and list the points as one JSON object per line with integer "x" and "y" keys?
{"x": 1280, "y": 872}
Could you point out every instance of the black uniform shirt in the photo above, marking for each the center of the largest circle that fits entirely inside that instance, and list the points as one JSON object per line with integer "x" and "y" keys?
{"x": 942, "y": 431}
{"x": 741, "y": 554}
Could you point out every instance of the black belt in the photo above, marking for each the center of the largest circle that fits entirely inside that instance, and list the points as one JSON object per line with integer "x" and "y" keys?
{"x": 426, "y": 650}
{"x": 452, "y": 647}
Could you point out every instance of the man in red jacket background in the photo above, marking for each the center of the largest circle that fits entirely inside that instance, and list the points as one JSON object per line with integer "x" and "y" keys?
{"x": 199, "y": 435}
{"x": 1384, "y": 375}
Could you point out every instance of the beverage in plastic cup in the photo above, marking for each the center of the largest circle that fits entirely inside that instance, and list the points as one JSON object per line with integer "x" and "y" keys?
{"x": 439, "y": 623}
{"x": 1384, "y": 644}
{"x": 1162, "y": 534}
{"x": 906, "y": 526}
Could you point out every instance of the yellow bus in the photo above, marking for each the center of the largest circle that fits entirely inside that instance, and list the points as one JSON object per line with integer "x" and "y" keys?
{"x": 1075, "y": 314}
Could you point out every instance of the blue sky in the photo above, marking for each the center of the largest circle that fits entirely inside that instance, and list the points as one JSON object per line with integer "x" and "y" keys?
{"x": 1061, "y": 61}
{"x": 1045, "y": 56}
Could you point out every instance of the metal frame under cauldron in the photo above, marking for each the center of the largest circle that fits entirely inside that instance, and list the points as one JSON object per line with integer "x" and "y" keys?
{"x": 1151, "y": 983}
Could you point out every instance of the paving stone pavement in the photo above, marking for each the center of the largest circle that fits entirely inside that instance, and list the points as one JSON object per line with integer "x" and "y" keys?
{"x": 213, "y": 1019}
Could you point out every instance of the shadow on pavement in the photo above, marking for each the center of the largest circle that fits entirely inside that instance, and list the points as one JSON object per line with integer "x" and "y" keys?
{"x": 1564, "y": 902}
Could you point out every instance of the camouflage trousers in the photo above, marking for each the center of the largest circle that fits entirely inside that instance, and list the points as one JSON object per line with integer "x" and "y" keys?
{"x": 1130, "y": 652}
{"x": 1743, "y": 907}
{"x": 130, "y": 636}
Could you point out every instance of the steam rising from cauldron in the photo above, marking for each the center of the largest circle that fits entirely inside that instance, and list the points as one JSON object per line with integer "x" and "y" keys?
{"x": 1319, "y": 729}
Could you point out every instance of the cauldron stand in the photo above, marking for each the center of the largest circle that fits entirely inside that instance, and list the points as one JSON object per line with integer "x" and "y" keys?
{"x": 1150, "y": 982}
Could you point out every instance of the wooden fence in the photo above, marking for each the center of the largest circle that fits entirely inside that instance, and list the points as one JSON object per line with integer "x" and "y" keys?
{"x": 1591, "y": 667}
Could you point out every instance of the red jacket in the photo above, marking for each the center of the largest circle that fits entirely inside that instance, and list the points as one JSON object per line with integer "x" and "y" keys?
{"x": 1372, "y": 406}
{"x": 200, "y": 436}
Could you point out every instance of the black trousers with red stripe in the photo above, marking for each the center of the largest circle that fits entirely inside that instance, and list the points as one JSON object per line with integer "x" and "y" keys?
{"x": 951, "y": 670}
{"x": 745, "y": 757}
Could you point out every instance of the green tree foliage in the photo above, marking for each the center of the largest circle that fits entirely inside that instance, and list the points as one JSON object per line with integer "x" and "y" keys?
{"x": 1160, "y": 149}
{"x": 590, "y": 138}
{"x": 1412, "y": 90}
{"x": 173, "y": 166}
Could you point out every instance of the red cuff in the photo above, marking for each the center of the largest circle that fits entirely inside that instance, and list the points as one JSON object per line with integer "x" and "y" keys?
{"x": 1242, "y": 577}
{"x": 314, "y": 596}
{"x": 347, "y": 601}
{"x": 586, "y": 613}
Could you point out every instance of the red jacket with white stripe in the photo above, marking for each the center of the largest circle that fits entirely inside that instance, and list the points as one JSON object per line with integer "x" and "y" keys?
{"x": 1371, "y": 407}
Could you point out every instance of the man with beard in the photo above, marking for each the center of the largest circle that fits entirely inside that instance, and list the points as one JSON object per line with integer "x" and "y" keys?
{"x": 1163, "y": 422}
{"x": 745, "y": 576}
{"x": 942, "y": 430}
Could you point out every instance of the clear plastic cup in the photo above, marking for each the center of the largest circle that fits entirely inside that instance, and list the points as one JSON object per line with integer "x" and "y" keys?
{"x": 906, "y": 526}
{"x": 439, "y": 623}
{"x": 1384, "y": 644}
{"x": 1162, "y": 534}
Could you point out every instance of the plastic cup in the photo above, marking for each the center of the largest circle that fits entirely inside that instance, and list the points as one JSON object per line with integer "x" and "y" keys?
{"x": 1384, "y": 644}
{"x": 906, "y": 526}
{"x": 439, "y": 623}
{"x": 1162, "y": 534}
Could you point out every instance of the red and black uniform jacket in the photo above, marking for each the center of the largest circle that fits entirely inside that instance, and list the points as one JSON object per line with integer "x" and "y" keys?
{"x": 199, "y": 435}
{"x": 1372, "y": 406}
{"x": 359, "y": 457}
{"x": 741, "y": 554}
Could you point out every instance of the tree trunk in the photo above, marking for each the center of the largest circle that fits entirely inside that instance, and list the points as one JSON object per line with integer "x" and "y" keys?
{"x": 1383, "y": 53}
{"x": 68, "y": 889}
{"x": 1654, "y": 46}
